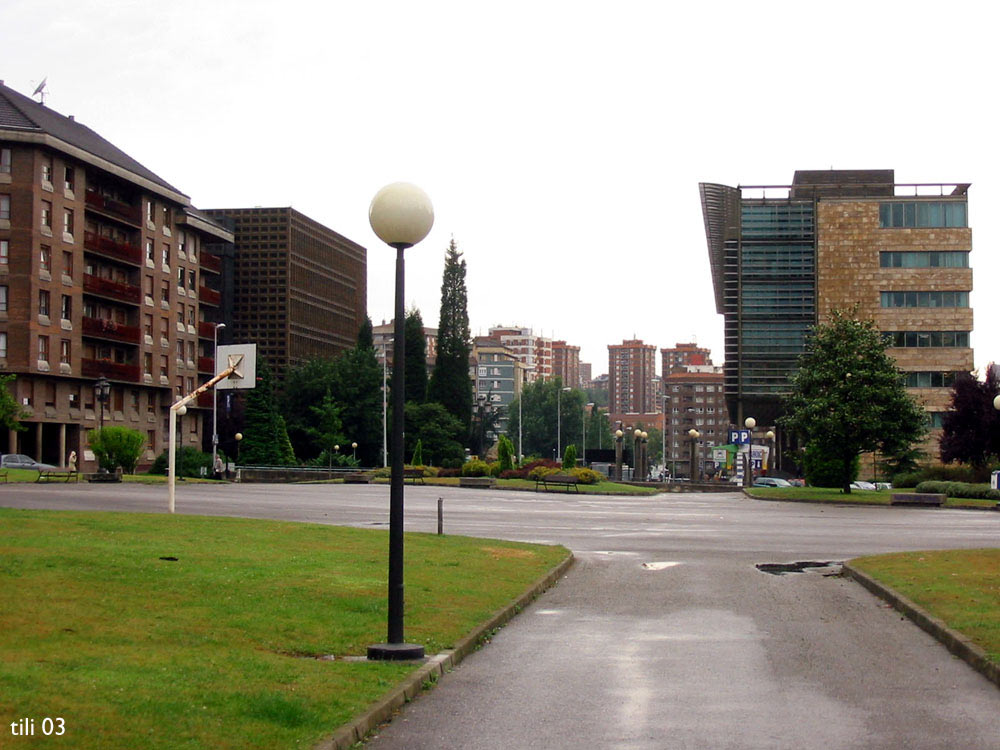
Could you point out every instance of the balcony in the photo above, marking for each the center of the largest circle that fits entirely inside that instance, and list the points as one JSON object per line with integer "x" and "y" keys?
{"x": 108, "y": 329}
{"x": 118, "y": 209}
{"x": 107, "y": 246}
{"x": 206, "y": 364}
{"x": 111, "y": 289}
{"x": 210, "y": 262}
{"x": 209, "y": 296}
{"x": 96, "y": 368}
{"x": 206, "y": 329}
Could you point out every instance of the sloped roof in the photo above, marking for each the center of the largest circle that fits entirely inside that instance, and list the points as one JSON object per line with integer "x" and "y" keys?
{"x": 21, "y": 113}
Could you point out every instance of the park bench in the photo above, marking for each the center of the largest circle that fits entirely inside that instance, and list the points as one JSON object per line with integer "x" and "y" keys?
{"x": 359, "y": 477}
{"x": 917, "y": 498}
{"x": 104, "y": 476}
{"x": 559, "y": 480}
{"x": 413, "y": 474}
{"x": 52, "y": 475}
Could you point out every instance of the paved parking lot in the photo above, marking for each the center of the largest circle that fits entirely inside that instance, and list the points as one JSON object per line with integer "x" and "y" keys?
{"x": 664, "y": 634}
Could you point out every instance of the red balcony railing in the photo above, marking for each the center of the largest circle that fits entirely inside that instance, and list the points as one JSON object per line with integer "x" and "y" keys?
{"x": 95, "y": 368}
{"x": 109, "y": 329}
{"x": 107, "y": 246}
{"x": 132, "y": 214}
{"x": 209, "y": 296}
{"x": 114, "y": 289}
{"x": 206, "y": 364}
{"x": 206, "y": 329}
{"x": 210, "y": 262}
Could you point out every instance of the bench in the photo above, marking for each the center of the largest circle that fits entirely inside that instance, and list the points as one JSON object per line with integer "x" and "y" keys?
{"x": 481, "y": 482}
{"x": 559, "y": 480}
{"x": 917, "y": 498}
{"x": 51, "y": 475}
{"x": 413, "y": 474}
{"x": 104, "y": 476}
{"x": 359, "y": 477}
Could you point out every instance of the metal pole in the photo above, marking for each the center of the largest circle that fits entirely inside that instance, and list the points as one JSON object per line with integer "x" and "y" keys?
{"x": 559, "y": 421}
{"x": 395, "y": 629}
{"x": 440, "y": 516}
{"x": 385, "y": 443}
{"x": 215, "y": 395}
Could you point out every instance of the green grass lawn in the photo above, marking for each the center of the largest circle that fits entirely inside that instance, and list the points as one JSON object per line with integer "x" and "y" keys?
{"x": 212, "y": 650}
{"x": 960, "y": 587}
{"x": 864, "y": 497}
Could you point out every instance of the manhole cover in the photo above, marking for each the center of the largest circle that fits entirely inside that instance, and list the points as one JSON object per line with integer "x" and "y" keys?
{"x": 780, "y": 569}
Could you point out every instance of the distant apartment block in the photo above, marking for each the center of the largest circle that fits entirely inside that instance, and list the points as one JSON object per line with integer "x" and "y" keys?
{"x": 384, "y": 334}
{"x": 694, "y": 399}
{"x": 681, "y": 356}
{"x": 532, "y": 351}
{"x": 566, "y": 363}
{"x": 299, "y": 288}
{"x": 631, "y": 367}
{"x": 497, "y": 376}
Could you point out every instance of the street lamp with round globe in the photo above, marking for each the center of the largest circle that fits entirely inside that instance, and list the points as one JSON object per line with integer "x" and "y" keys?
{"x": 401, "y": 215}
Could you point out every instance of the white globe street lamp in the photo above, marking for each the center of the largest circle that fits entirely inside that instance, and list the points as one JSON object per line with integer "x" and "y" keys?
{"x": 401, "y": 215}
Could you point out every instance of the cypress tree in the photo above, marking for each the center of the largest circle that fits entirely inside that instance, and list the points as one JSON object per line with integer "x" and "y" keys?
{"x": 265, "y": 441}
{"x": 450, "y": 385}
{"x": 416, "y": 358}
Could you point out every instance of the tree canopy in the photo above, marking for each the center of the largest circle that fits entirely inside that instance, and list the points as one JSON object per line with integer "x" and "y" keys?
{"x": 416, "y": 358}
{"x": 971, "y": 426}
{"x": 265, "y": 438}
{"x": 848, "y": 397}
{"x": 540, "y": 423}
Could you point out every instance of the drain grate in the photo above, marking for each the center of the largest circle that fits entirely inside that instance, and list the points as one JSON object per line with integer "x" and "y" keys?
{"x": 780, "y": 569}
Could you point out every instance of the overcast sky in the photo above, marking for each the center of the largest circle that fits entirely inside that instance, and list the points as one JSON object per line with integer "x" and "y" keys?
{"x": 561, "y": 143}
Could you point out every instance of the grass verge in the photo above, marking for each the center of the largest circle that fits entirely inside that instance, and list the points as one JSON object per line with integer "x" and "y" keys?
{"x": 959, "y": 587}
{"x": 211, "y": 650}
{"x": 858, "y": 497}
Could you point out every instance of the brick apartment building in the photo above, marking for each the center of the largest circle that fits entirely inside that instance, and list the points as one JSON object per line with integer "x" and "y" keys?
{"x": 684, "y": 355}
{"x": 533, "y": 351}
{"x": 104, "y": 273}
{"x": 566, "y": 363}
{"x": 783, "y": 259}
{"x": 631, "y": 367}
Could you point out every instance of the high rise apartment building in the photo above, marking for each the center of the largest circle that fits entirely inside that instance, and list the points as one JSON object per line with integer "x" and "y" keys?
{"x": 694, "y": 399}
{"x": 104, "y": 273}
{"x": 784, "y": 259}
{"x": 566, "y": 363}
{"x": 300, "y": 289}
{"x": 384, "y": 334}
{"x": 631, "y": 367}
{"x": 681, "y": 356}
{"x": 497, "y": 375}
{"x": 531, "y": 350}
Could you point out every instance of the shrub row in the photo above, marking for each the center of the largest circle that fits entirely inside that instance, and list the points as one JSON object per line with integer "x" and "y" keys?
{"x": 943, "y": 473}
{"x": 960, "y": 490}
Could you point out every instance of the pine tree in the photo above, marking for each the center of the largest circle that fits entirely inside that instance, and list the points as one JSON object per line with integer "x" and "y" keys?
{"x": 416, "y": 358}
{"x": 265, "y": 439}
{"x": 450, "y": 385}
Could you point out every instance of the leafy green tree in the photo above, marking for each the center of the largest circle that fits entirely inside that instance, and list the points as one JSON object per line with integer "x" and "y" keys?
{"x": 327, "y": 428}
{"x": 505, "y": 453}
{"x": 10, "y": 411}
{"x": 824, "y": 470}
{"x": 357, "y": 389}
{"x": 971, "y": 426}
{"x": 439, "y": 433}
{"x": 265, "y": 438}
{"x": 116, "y": 446}
{"x": 416, "y": 358}
{"x": 599, "y": 432}
{"x": 569, "y": 456}
{"x": 539, "y": 431}
{"x": 307, "y": 385}
{"x": 849, "y": 398}
{"x": 450, "y": 385}
{"x": 366, "y": 335}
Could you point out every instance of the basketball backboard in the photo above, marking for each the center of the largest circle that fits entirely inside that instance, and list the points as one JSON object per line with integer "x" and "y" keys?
{"x": 244, "y": 357}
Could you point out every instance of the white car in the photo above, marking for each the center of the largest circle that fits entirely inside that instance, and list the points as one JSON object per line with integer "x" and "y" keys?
{"x": 862, "y": 486}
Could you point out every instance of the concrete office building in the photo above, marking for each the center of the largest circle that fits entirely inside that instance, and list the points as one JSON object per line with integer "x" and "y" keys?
{"x": 104, "y": 273}
{"x": 299, "y": 288}
{"x": 784, "y": 258}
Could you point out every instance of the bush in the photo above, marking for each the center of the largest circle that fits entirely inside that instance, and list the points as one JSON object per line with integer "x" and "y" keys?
{"x": 542, "y": 471}
{"x": 943, "y": 473}
{"x": 534, "y": 463}
{"x": 117, "y": 446}
{"x": 451, "y": 463}
{"x": 337, "y": 459}
{"x": 569, "y": 457}
{"x": 188, "y": 462}
{"x": 963, "y": 490}
{"x": 445, "y": 473}
{"x": 475, "y": 468}
{"x": 505, "y": 453}
{"x": 495, "y": 469}
{"x": 514, "y": 474}
{"x": 587, "y": 476}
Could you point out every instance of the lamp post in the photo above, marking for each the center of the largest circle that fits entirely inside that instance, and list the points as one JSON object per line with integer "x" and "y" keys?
{"x": 102, "y": 392}
{"x": 619, "y": 435}
{"x": 559, "y": 421}
{"x": 354, "y": 451}
{"x": 769, "y": 436}
{"x": 636, "y": 448}
{"x": 694, "y": 435}
{"x": 749, "y": 423}
{"x": 215, "y": 394}
{"x": 401, "y": 215}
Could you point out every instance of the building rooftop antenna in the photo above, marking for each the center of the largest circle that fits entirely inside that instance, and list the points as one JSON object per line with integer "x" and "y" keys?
{"x": 40, "y": 91}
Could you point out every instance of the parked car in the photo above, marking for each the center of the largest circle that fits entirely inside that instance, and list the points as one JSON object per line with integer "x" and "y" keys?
{"x": 771, "y": 482}
{"x": 21, "y": 461}
{"x": 862, "y": 486}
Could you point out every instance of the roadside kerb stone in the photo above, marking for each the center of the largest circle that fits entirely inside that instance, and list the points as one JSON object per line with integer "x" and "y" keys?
{"x": 954, "y": 641}
{"x": 436, "y": 667}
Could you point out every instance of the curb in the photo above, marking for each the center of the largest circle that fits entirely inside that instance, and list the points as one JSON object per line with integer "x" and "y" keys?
{"x": 435, "y": 667}
{"x": 954, "y": 641}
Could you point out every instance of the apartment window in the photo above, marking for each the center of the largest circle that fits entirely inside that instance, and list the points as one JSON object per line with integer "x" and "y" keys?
{"x": 3, "y": 345}
{"x": 922, "y": 214}
{"x": 64, "y": 350}
{"x": 925, "y": 299}
{"x": 150, "y": 211}
{"x": 133, "y": 399}
{"x": 164, "y": 365}
{"x": 69, "y": 179}
{"x": 151, "y": 437}
{"x": 191, "y": 315}
{"x": 47, "y": 170}
{"x": 924, "y": 259}
{"x": 192, "y": 281}
{"x": 932, "y": 339}
{"x": 147, "y": 284}
{"x": 43, "y": 302}
{"x": 43, "y": 348}
{"x": 67, "y": 263}
{"x": 930, "y": 379}
{"x": 147, "y": 365}
{"x": 166, "y": 216}
{"x": 68, "y": 220}
{"x": 66, "y": 307}
{"x": 4, "y": 252}
{"x": 5, "y": 160}
{"x": 46, "y": 215}
{"x": 165, "y": 254}
{"x": 165, "y": 328}
{"x": 4, "y": 207}
{"x": 165, "y": 291}
{"x": 150, "y": 250}
{"x": 45, "y": 258}
{"x": 147, "y": 324}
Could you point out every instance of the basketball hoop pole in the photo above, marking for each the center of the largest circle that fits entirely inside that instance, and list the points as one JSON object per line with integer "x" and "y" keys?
{"x": 235, "y": 363}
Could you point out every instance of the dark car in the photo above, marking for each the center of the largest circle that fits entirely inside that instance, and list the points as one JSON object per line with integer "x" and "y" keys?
{"x": 21, "y": 461}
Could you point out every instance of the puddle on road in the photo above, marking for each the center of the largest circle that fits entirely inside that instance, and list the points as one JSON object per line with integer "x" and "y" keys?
{"x": 658, "y": 565}
{"x": 780, "y": 569}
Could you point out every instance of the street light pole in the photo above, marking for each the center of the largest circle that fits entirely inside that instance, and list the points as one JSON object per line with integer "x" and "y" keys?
{"x": 215, "y": 394}
{"x": 401, "y": 216}
{"x": 749, "y": 423}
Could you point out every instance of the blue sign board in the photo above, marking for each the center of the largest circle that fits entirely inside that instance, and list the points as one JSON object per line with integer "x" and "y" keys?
{"x": 739, "y": 437}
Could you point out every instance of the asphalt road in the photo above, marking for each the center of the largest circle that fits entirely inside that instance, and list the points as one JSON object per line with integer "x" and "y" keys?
{"x": 664, "y": 634}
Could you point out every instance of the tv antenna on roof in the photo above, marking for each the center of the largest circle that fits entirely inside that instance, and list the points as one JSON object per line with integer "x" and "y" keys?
{"x": 40, "y": 90}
